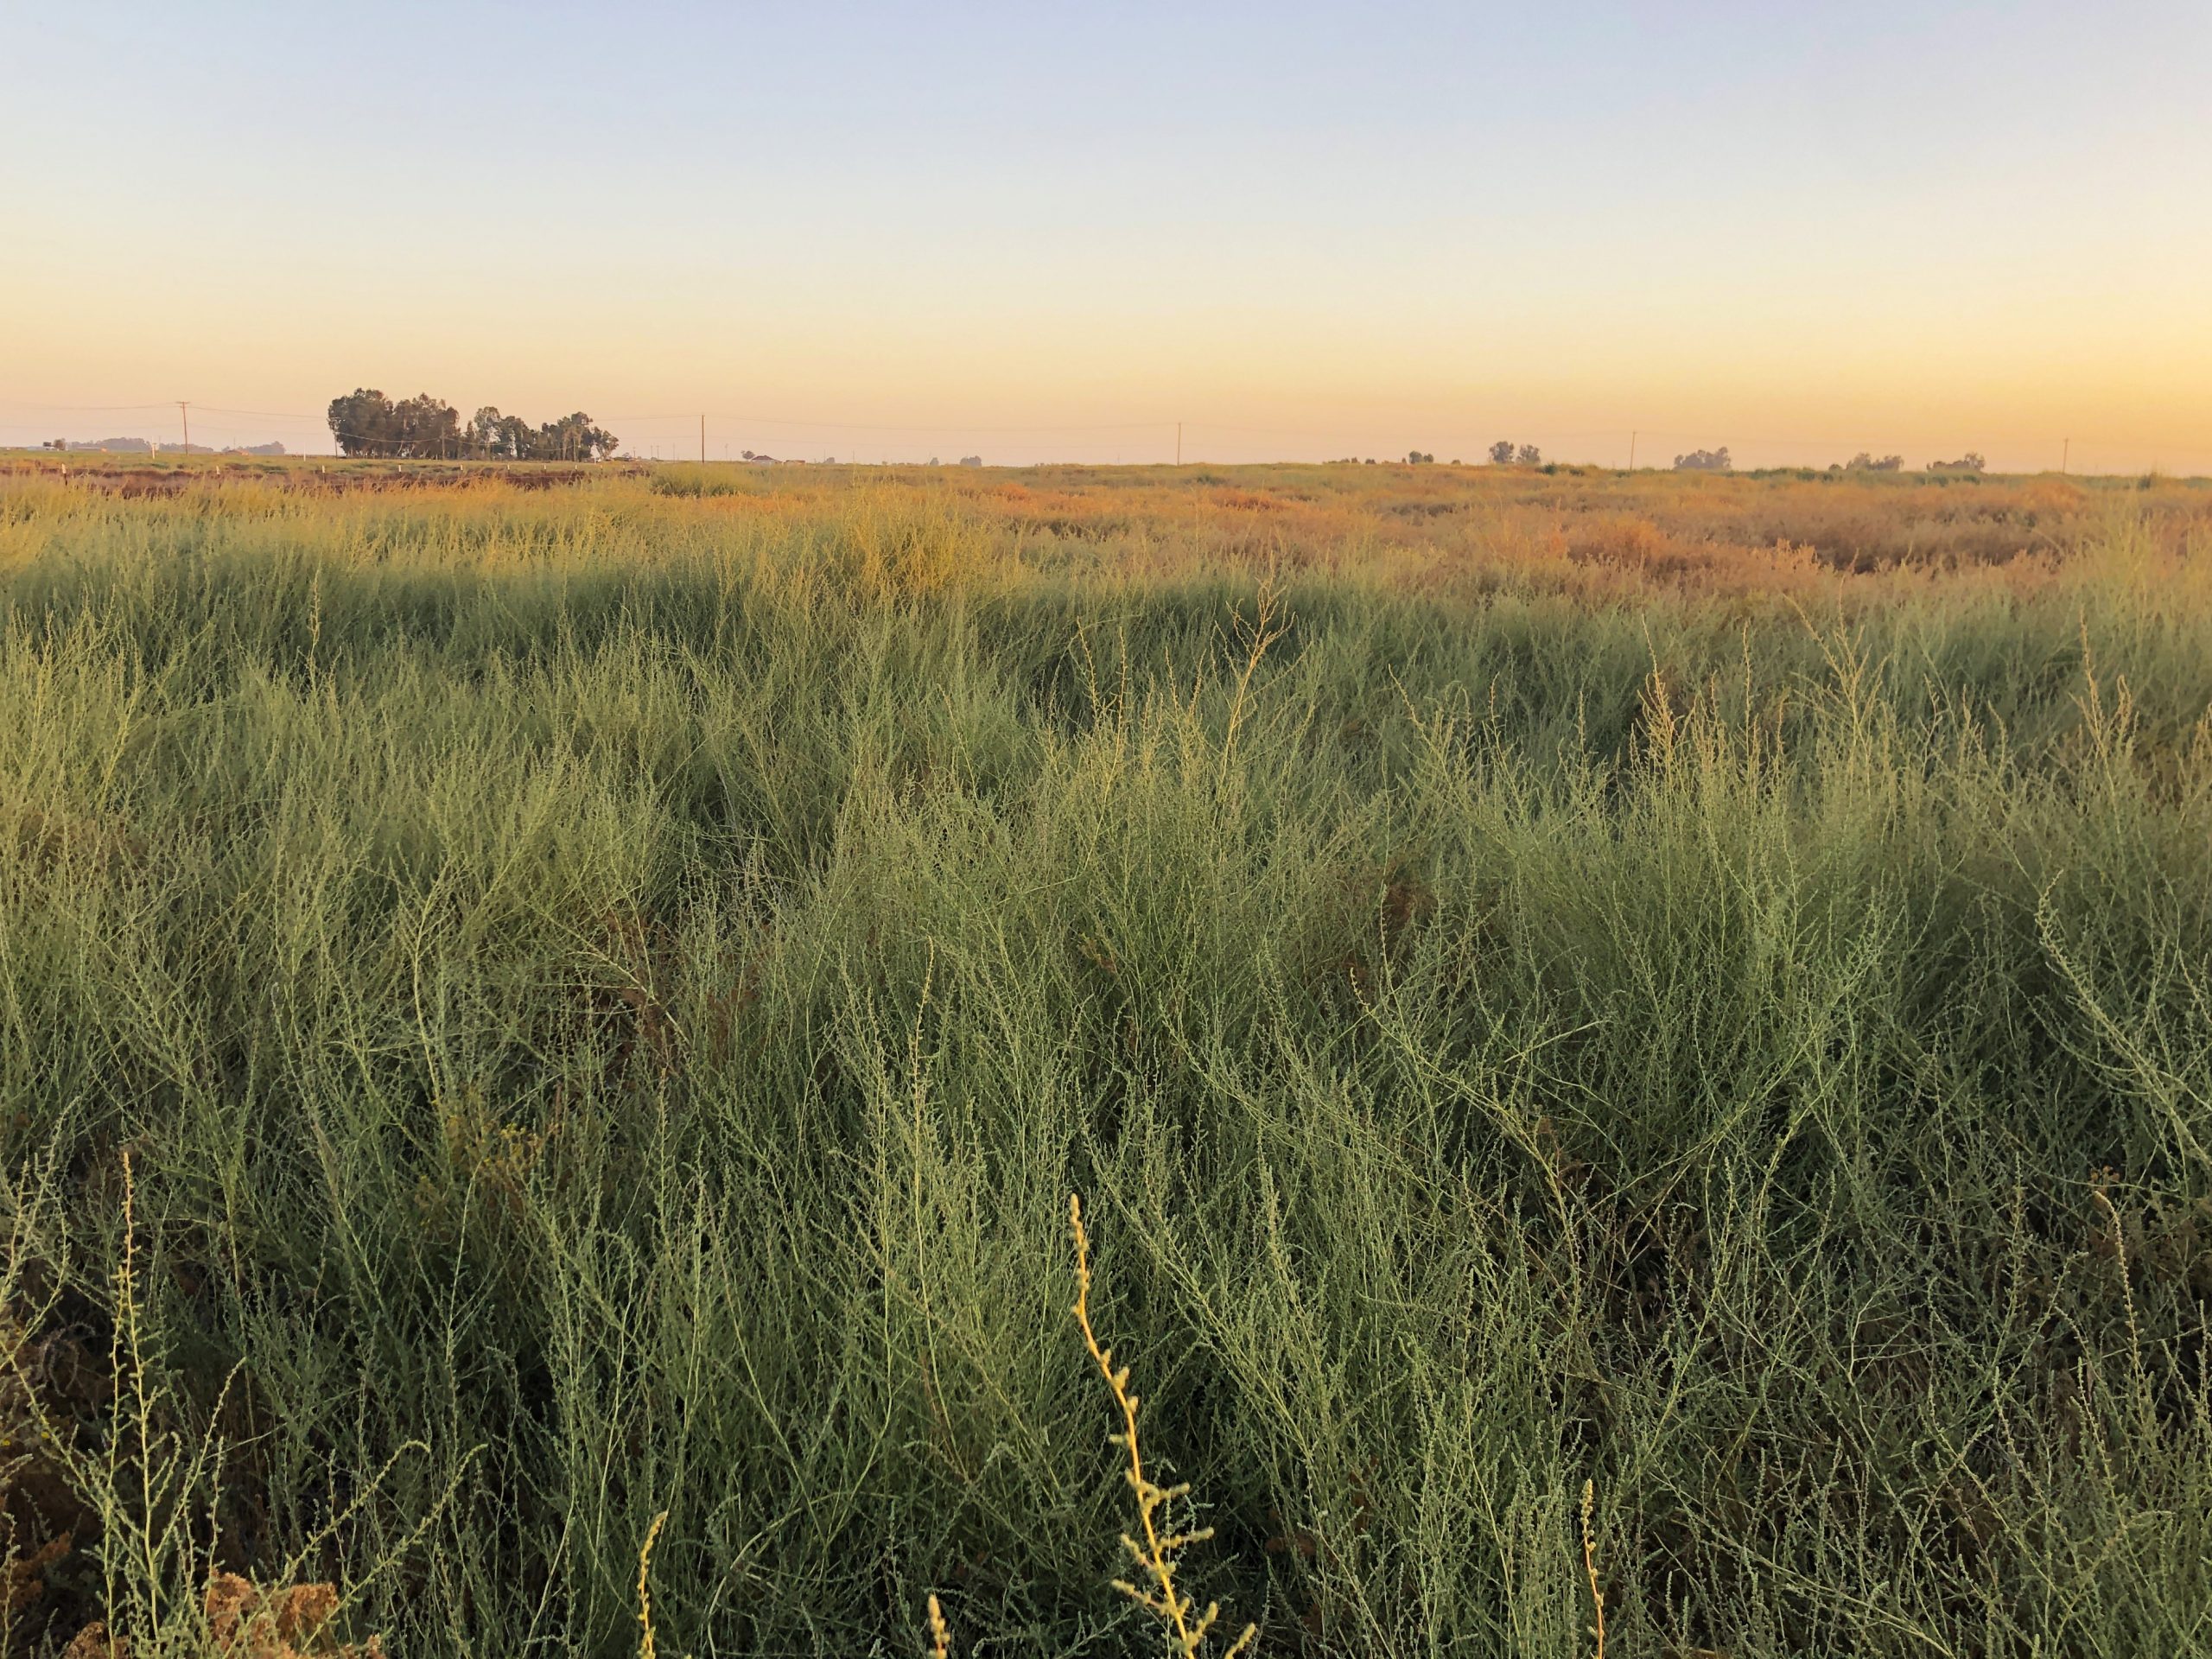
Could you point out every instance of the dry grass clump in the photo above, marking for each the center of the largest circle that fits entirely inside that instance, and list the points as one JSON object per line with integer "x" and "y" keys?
{"x": 879, "y": 533}
{"x": 647, "y": 1642}
{"x": 1590, "y": 1567}
{"x": 246, "y": 1622}
{"x": 1158, "y": 1549}
{"x": 37, "y": 1512}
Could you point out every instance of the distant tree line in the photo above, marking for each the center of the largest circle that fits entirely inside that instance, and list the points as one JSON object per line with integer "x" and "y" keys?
{"x": 1503, "y": 454}
{"x": 1414, "y": 458}
{"x": 155, "y": 447}
{"x": 1862, "y": 462}
{"x": 423, "y": 428}
{"x": 1705, "y": 460}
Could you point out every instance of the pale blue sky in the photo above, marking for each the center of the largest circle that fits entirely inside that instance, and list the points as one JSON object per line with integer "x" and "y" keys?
{"x": 1302, "y": 229}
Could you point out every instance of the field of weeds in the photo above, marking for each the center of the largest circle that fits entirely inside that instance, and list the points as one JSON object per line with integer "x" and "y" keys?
{"x": 1636, "y": 1052}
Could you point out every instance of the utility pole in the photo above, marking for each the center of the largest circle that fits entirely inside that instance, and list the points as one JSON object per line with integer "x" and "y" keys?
{"x": 1631, "y": 452}
{"x": 1179, "y": 444}
{"x": 2065, "y": 457}
{"x": 703, "y": 440}
{"x": 184, "y": 409}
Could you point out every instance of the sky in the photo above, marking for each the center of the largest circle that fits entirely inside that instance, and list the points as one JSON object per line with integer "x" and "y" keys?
{"x": 1055, "y": 231}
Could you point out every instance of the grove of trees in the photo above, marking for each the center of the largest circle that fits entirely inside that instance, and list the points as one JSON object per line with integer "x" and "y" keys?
{"x": 1705, "y": 460}
{"x": 1503, "y": 454}
{"x": 423, "y": 428}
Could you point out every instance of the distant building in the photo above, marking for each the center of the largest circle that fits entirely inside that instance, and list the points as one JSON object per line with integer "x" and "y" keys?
{"x": 115, "y": 446}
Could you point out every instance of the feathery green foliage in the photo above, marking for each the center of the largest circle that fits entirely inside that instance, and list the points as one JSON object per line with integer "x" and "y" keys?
{"x": 612, "y": 990}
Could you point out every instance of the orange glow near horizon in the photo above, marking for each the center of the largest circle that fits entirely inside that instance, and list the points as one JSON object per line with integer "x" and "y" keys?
{"x": 875, "y": 272}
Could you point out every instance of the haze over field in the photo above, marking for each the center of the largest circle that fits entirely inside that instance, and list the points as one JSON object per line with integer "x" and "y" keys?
{"x": 1301, "y": 230}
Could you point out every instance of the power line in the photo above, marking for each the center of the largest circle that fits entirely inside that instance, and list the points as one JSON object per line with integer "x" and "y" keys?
{"x": 88, "y": 409}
